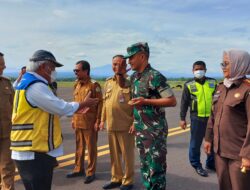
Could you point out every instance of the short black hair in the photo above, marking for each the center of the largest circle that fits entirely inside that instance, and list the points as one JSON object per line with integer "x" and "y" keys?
{"x": 200, "y": 63}
{"x": 118, "y": 55}
{"x": 24, "y": 67}
{"x": 85, "y": 65}
{"x": 1, "y": 54}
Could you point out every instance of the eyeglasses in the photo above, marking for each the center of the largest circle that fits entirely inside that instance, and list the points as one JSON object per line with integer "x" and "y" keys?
{"x": 224, "y": 64}
{"x": 76, "y": 70}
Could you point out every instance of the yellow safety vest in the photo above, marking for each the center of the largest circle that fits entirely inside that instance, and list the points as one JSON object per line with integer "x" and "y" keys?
{"x": 32, "y": 128}
{"x": 201, "y": 96}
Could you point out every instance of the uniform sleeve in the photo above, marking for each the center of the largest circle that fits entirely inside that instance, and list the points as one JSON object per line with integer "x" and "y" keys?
{"x": 209, "y": 130}
{"x": 128, "y": 82}
{"x": 245, "y": 150}
{"x": 185, "y": 102}
{"x": 216, "y": 84}
{"x": 39, "y": 95}
{"x": 98, "y": 92}
{"x": 12, "y": 94}
{"x": 103, "y": 115}
{"x": 159, "y": 83}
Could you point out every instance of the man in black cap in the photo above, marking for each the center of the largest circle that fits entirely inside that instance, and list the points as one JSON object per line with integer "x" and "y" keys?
{"x": 36, "y": 138}
{"x": 150, "y": 93}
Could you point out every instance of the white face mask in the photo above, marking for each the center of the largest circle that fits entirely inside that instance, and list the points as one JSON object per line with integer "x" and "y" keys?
{"x": 199, "y": 74}
{"x": 53, "y": 76}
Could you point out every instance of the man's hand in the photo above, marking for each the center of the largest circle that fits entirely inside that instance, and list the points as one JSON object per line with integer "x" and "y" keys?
{"x": 88, "y": 102}
{"x": 96, "y": 126}
{"x": 137, "y": 101}
{"x": 131, "y": 129}
{"x": 207, "y": 147}
{"x": 73, "y": 125}
{"x": 183, "y": 124}
{"x": 245, "y": 162}
{"x": 101, "y": 126}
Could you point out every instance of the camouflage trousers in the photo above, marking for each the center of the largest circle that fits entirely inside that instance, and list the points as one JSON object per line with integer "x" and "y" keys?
{"x": 152, "y": 150}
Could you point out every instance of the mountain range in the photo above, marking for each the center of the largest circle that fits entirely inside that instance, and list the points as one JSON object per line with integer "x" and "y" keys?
{"x": 106, "y": 71}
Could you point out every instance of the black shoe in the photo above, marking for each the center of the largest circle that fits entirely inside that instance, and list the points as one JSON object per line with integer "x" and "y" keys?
{"x": 126, "y": 187}
{"x": 89, "y": 179}
{"x": 201, "y": 171}
{"x": 211, "y": 168}
{"x": 75, "y": 174}
{"x": 111, "y": 185}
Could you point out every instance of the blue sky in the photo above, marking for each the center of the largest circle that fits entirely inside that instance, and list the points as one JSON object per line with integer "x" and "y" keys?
{"x": 179, "y": 32}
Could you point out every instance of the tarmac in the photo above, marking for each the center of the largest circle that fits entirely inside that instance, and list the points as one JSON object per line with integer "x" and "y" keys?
{"x": 180, "y": 175}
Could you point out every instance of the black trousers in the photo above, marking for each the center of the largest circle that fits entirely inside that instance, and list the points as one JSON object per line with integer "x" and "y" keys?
{"x": 37, "y": 174}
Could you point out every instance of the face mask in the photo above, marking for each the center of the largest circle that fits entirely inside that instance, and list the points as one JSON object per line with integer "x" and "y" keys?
{"x": 53, "y": 76}
{"x": 199, "y": 74}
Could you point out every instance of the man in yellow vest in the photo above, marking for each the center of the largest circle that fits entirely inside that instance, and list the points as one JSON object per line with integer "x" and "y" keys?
{"x": 197, "y": 95}
{"x": 36, "y": 138}
{"x": 7, "y": 168}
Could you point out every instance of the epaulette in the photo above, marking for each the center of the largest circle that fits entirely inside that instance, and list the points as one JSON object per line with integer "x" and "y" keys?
{"x": 5, "y": 78}
{"x": 191, "y": 81}
{"x": 93, "y": 81}
{"x": 247, "y": 81}
{"x": 109, "y": 78}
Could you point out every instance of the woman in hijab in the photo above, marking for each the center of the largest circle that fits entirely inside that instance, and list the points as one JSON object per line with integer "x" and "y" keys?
{"x": 229, "y": 124}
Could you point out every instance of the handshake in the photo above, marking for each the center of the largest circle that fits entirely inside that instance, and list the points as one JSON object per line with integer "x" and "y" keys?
{"x": 87, "y": 103}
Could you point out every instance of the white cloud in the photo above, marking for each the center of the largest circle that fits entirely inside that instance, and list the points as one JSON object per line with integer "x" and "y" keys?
{"x": 178, "y": 32}
{"x": 60, "y": 13}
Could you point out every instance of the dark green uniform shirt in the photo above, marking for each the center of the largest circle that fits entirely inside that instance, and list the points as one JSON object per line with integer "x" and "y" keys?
{"x": 150, "y": 84}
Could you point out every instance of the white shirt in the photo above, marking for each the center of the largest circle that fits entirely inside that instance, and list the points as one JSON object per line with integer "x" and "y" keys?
{"x": 38, "y": 94}
{"x": 15, "y": 84}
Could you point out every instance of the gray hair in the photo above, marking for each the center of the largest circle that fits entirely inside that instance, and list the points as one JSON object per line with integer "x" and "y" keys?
{"x": 34, "y": 65}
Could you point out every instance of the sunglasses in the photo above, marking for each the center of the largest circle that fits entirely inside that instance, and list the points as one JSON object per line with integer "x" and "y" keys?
{"x": 76, "y": 70}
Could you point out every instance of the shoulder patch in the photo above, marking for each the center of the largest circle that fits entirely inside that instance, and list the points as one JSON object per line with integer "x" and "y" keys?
{"x": 5, "y": 78}
{"x": 109, "y": 78}
{"x": 93, "y": 81}
{"x": 247, "y": 81}
{"x": 98, "y": 89}
{"x": 190, "y": 82}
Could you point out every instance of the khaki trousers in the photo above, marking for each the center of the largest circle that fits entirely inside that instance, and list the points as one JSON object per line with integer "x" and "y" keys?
{"x": 86, "y": 138}
{"x": 229, "y": 175}
{"x": 7, "y": 167}
{"x": 121, "y": 144}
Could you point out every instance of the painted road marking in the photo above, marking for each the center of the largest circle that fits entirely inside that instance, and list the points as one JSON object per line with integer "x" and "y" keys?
{"x": 172, "y": 132}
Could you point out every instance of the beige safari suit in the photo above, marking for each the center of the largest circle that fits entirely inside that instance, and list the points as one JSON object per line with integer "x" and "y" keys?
{"x": 7, "y": 168}
{"x": 84, "y": 126}
{"x": 118, "y": 116}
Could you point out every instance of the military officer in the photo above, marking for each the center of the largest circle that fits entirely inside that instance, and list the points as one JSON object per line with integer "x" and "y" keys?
{"x": 118, "y": 115}
{"x": 86, "y": 124}
{"x": 151, "y": 93}
{"x": 7, "y": 168}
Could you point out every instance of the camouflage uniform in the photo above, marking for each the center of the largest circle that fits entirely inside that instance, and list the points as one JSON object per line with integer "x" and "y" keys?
{"x": 151, "y": 127}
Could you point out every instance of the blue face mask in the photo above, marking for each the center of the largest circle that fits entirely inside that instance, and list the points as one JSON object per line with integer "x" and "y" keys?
{"x": 199, "y": 74}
